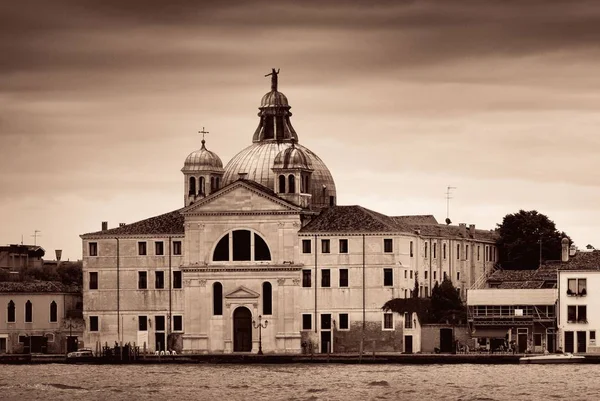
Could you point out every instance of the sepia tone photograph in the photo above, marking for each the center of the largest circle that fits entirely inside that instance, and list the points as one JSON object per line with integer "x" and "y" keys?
{"x": 299, "y": 200}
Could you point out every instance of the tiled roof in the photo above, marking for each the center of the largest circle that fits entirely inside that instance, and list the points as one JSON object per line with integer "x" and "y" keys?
{"x": 168, "y": 223}
{"x": 508, "y": 278}
{"x": 521, "y": 285}
{"x": 449, "y": 231}
{"x": 352, "y": 219}
{"x": 416, "y": 219}
{"x": 581, "y": 261}
{"x": 38, "y": 286}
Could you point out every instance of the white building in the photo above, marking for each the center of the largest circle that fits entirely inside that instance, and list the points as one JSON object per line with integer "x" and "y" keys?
{"x": 262, "y": 239}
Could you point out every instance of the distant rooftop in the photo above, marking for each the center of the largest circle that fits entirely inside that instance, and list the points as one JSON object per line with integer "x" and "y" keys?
{"x": 38, "y": 287}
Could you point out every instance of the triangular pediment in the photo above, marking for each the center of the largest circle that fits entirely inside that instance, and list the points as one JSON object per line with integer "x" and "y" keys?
{"x": 241, "y": 197}
{"x": 242, "y": 292}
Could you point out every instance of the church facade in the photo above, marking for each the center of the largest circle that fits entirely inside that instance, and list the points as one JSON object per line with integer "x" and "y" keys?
{"x": 261, "y": 257}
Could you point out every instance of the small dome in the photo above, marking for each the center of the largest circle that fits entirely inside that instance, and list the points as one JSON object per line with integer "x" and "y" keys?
{"x": 274, "y": 99}
{"x": 203, "y": 160}
{"x": 292, "y": 157}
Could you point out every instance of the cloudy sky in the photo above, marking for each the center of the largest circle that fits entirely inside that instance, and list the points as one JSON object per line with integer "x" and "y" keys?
{"x": 100, "y": 102}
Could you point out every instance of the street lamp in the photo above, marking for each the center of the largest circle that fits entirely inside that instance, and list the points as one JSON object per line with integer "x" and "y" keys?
{"x": 259, "y": 326}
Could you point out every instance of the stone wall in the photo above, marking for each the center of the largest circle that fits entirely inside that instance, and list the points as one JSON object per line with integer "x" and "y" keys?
{"x": 430, "y": 336}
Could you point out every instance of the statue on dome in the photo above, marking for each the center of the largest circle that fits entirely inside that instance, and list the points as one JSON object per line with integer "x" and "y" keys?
{"x": 273, "y": 75}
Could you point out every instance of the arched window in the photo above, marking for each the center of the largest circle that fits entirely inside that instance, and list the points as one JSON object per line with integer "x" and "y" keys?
{"x": 267, "y": 294}
{"x": 282, "y": 184}
{"x": 53, "y": 312}
{"x": 217, "y": 299}
{"x": 444, "y": 249}
{"x": 291, "y": 184}
{"x": 212, "y": 184}
{"x": 28, "y": 312}
{"x": 217, "y": 183}
{"x": 201, "y": 186}
{"x": 245, "y": 246}
{"x": 192, "y": 185}
{"x": 11, "y": 318}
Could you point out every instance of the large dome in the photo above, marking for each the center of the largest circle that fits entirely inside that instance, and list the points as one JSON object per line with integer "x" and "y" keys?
{"x": 256, "y": 162}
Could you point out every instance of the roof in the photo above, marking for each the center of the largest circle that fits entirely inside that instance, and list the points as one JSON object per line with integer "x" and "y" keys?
{"x": 352, "y": 219}
{"x": 416, "y": 219}
{"x": 38, "y": 286}
{"x": 580, "y": 261}
{"x": 31, "y": 250}
{"x": 521, "y": 285}
{"x": 168, "y": 223}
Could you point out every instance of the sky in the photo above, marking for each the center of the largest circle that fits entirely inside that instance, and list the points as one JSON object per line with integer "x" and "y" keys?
{"x": 101, "y": 101}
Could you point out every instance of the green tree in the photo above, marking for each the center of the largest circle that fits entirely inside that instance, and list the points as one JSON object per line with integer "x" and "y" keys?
{"x": 519, "y": 241}
{"x": 446, "y": 304}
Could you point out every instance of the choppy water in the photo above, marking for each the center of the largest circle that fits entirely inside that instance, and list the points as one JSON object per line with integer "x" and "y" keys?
{"x": 300, "y": 382}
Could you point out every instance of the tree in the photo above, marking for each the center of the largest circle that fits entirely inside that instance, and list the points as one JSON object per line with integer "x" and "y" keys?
{"x": 415, "y": 291}
{"x": 519, "y": 242}
{"x": 446, "y": 304}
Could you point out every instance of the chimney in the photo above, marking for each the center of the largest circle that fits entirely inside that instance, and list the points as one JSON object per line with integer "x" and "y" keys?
{"x": 462, "y": 228}
{"x": 58, "y": 254}
{"x": 572, "y": 250}
{"x": 121, "y": 224}
{"x": 472, "y": 230}
{"x": 565, "y": 250}
{"x": 242, "y": 176}
{"x": 104, "y": 225}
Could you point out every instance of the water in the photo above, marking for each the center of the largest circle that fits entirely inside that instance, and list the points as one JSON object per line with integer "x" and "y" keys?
{"x": 300, "y": 382}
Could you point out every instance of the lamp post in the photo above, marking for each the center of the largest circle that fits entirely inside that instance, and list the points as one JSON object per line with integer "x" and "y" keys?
{"x": 259, "y": 326}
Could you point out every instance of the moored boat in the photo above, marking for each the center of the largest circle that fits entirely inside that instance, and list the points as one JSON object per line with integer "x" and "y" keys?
{"x": 553, "y": 358}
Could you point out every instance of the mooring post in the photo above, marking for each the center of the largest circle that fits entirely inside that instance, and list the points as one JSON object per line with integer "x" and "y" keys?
{"x": 144, "y": 350}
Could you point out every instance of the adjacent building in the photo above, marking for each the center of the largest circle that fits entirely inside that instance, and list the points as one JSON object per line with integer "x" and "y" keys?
{"x": 15, "y": 258}
{"x": 262, "y": 241}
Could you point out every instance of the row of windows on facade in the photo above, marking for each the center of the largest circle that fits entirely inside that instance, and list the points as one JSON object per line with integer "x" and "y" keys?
{"x": 536, "y": 311}
{"x": 577, "y": 314}
{"x": 388, "y": 247}
{"x": 144, "y": 322}
{"x": 388, "y": 278}
{"x": 11, "y": 316}
{"x": 343, "y": 321}
{"x": 159, "y": 280}
{"x": 215, "y": 183}
{"x": 159, "y": 248}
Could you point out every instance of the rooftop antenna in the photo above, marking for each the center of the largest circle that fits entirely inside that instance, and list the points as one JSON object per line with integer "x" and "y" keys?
{"x": 448, "y": 197}
{"x": 36, "y": 233}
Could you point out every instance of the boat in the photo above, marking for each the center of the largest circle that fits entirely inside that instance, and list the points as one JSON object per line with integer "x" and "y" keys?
{"x": 553, "y": 358}
{"x": 83, "y": 355}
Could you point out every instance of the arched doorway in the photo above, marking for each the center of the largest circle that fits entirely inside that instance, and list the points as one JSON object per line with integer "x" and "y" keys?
{"x": 242, "y": 330}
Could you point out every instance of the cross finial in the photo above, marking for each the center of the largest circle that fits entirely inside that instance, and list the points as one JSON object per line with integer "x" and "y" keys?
{"x": 203, "y": 132}
{"x": 273, "y": 75}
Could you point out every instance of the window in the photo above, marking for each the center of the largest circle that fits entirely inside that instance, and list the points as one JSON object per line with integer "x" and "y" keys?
{"x": 159, "y": 248}
{"x": 434, "y": 251}
{"x": 445, "y": 275}
{"x": 408, "y": 324}
{"x": 466, "y": 252}
{"x": 282, "y": 184}
{"x": 405, "y": 293}
{"x": 93, "y": 280}
{"x": 28, "y": 312}
{"x": 267, "y": 295}
{"x": 93, "y": 323}
{"x": 53, "y": 312}
{"x": 576, "y": 314}
{"x": 581, "y": 286}
{"x": 10, "y": 316}
{"x": 343, "y": 277}
{"x": 434, "y": 275}
{"x": 478, "y": 252}
{"x": 176, "y": 247}
{"x": 325, "y": 278}
{"x": 444, "y": 251}
{"x": 593, "y": 336}
{"x": 411, "y": 274}
{"x": 457, "y": 276}
{"x": 458, "y": 251}
{"x": 388, "y": 321}
{"x": 537, "y": 339}
{"x": 201, "y": 186}
{"x": 142, "y": 248}
{"x": 388, "y": 245}
{"x": 405, "y": 273}
{"x": 571, "y": 286}
{"x": 217, "y": 299}
{"x": 426, "y": 274}
{"x": 426, "y": 291}
{"x": 325, "y": 321}
{"x": 177, "y": 281}
{"x": 93, "y": 249}
{"x": 324, "y": 246}
{"x": 247, "y": 246}
{"x": 343, "y": 321}
{"x": 291, "y": 184}
{"x": 192, "y": 190}
{"x": 426, "y": 250}
{"x": 306, "y": 248}
{"x": 306, "y": 321}
{"x": 388, "y": 277}
{"x": 343, "y": 246}
{"x": 142, "y": 323}
{"x": 411, "y": 249}
{"x": 306, "y": 278}
{"x": 177, "y": 323}
{"x": 142, "y": 280}
{"x": 159, "y": 280}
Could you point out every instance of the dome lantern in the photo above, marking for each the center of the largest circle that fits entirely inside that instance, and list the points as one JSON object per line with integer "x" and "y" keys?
{"x": 203, "y": 173}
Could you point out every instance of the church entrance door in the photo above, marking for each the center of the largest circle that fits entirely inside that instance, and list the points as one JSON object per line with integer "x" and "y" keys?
{"x": 242, "y": 330}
